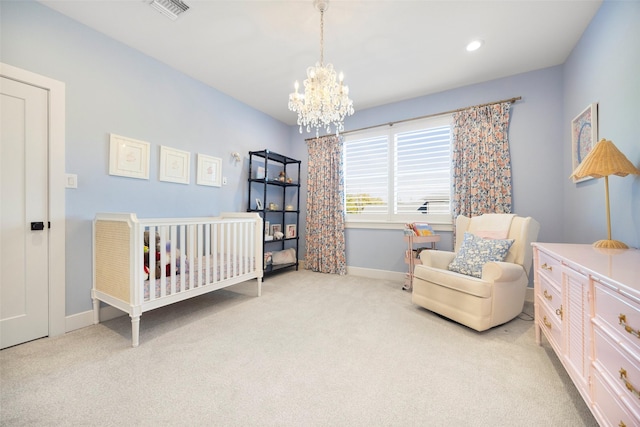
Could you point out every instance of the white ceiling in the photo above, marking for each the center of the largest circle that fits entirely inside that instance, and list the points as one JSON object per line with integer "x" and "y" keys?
{"x": 389, "y": 50}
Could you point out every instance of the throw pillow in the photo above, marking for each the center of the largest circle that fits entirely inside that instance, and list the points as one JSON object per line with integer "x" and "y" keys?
{"x": 475, "y": 252}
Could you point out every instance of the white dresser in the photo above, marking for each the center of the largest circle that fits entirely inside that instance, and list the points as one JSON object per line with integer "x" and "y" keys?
{"x": 587, "y": 305}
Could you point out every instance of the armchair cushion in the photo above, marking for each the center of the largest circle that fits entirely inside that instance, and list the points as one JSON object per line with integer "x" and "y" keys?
{"x": 475, "y": 252}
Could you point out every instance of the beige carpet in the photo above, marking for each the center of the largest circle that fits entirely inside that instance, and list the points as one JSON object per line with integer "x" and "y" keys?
{"x": 314, "y": 350}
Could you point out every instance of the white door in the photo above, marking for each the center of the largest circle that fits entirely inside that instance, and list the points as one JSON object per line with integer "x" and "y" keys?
{"x": 24, "y": 281}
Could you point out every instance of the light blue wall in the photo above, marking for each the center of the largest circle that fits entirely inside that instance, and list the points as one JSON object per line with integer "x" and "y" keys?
{"x": 114, "y": 89}
{"x": 605, "y": 67}
{"x": 111, "y": 88}
{"x": 535, "y": 136}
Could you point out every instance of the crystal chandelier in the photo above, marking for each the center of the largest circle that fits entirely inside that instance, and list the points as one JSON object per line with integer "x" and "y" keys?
{"x": 325, "y": 101}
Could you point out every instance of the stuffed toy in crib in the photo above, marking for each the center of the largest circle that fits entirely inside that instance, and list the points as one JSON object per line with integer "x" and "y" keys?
{"x": 157, "y": 255}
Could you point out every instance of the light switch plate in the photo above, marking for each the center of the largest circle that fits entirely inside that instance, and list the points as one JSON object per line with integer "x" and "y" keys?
{"x": 72, "y": 180}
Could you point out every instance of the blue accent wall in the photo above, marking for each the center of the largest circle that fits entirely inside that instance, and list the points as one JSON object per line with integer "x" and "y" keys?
{"x": 604, "y": 67}
{"x": 111, "y": 88}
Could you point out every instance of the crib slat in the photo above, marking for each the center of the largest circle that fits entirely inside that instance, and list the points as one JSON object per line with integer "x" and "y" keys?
{"x": 163, "y": 261}
{"x": 216, "y": 244}
{"x": 152, "y": 263}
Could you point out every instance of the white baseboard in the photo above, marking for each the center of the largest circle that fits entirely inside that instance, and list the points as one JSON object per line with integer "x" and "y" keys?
{"x": 394, "y": 276}
{"x": 529, "y": 296}
{"x": 84, "y": 319}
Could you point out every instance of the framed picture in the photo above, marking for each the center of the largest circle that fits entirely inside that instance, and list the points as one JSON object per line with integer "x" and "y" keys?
{"x": 267, "y": 230}
{"x": 584, "y": 135}
{"x": 174, "y": 165}
{"x": 128, "y": 157}
{"x": 291, "y": 231}
{"x": 209, "y": 171}
{"x": 275, "y": 228}
{"x": 258, "y": 204}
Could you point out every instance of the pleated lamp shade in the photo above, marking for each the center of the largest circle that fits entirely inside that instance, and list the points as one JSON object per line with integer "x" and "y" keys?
{"x": 603, "y": 160}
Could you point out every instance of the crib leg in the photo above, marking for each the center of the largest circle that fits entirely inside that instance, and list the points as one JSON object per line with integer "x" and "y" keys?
{"x": 135, "y": 330}
{"x": 96, "y": 311}
{"x": 259, "y": 286}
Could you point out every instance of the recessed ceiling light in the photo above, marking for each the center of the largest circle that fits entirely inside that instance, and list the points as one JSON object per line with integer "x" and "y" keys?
{"x": 474, "y": 45}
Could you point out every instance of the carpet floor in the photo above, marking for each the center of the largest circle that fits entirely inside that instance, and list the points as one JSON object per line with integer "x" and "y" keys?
{"x": 313, "y": 350}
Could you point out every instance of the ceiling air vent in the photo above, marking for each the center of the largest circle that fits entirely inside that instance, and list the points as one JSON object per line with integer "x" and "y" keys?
{"x": 170, "y": 8}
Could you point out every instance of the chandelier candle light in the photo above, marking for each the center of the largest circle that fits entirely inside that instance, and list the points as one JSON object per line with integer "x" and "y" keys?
{"x": 325, "y": 101}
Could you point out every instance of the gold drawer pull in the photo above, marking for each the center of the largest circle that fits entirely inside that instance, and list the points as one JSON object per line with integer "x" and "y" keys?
{"x": 547, "y": 295}
{"x": 622, "y": 424}
{"x": 545, "y": 266}
{"x": 559, "y": 312}
{"x": 622, "y": 320}
{"x": 546, "y": 322}
{"x": 630, "y": 387}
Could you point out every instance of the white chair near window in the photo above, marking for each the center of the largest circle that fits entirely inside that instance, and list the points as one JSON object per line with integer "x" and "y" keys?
{"x": 483, "y": 283}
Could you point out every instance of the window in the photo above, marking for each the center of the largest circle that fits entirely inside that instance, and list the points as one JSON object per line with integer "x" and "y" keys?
{"x": 400, "y": 173}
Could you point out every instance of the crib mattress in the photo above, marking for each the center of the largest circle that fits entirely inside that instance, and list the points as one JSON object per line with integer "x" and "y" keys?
{"x": 223, "y": 270}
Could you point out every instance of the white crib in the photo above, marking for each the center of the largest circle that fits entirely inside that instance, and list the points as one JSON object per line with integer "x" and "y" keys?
{"x": 198, "y": 255}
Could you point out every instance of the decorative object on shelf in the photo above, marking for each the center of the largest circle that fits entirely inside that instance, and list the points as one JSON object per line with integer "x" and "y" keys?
{"x": 604, "y": 160}
{"x": 273, "y": 206}
{"x": 287, "y": 256}
{"x": 289, "y": 208}
{"x": 266, "y": 228}
{"x": 258, "y": 204}
{"x": 291, "y": 231}
{"x": 128, "y": 157}
{"x": 278, "y": 235}
{"x": 276, "y": 228}
{"x": 209, "y": 171}
{"x": 260, "y": 172}
{"x": 584, "y": 135}
{"x": 174, "y": 165}
{"x": 325, "y": 101}
{"x": 282, "y": 176}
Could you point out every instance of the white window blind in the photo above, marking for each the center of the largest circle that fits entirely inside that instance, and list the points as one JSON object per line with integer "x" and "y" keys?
{"x": 366, "y": 167}
{"x": 423, "y": 171}
{"x": 400, "y": 173}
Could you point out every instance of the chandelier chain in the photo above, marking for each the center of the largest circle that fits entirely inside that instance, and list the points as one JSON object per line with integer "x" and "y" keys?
{"x": 321, "y": 36}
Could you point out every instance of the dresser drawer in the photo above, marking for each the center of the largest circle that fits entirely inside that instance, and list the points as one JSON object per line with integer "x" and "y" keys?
{"x": 622, "y": 369}
{"x": 549, "y": 293}
{"x": 549, "y": 266}
{"x": 550, "y": 324}
{"x": 608, "y": 408}
{"x": 618, "y": 313}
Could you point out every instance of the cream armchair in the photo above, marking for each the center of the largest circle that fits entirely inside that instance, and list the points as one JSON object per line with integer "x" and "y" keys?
{"x": 495, "y": 297}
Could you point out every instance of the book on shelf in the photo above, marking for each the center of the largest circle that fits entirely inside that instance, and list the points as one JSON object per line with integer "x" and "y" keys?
{"x": 418, "y": 229}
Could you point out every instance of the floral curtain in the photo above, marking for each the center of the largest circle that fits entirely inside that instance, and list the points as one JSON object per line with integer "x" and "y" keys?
{"x": 325, "y": 241}
{"x": 481, "y": 161}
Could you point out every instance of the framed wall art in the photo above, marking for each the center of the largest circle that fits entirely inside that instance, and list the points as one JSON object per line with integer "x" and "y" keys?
{"x": 174, "y": 165}
{"x": 291, "y": 231}
{"x": 584, "y": 135}
{"x": 128, "y": 157}
{"x": 209, "y": 171}
{"x": 275, "y": 228}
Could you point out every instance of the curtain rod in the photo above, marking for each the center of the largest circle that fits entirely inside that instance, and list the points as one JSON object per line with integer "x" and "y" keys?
{"x": 511, "y": 100}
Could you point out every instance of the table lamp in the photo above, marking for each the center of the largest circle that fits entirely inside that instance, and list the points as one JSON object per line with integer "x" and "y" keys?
{"x": 603, "y": 160}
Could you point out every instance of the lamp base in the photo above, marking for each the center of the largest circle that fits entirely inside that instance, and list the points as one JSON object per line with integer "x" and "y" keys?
{"x": 610, "y": 244}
